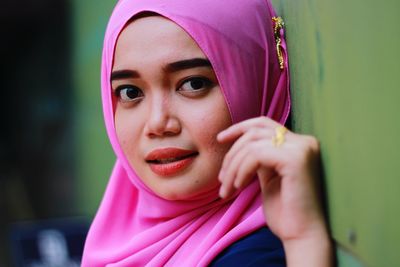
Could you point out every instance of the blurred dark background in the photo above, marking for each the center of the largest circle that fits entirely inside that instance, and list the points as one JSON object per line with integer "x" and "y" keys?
{"x": 36, "y": 141}
{"x": 42, "y": 137}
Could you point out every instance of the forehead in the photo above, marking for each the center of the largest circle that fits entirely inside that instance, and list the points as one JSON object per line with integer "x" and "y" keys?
{"x": 154, "y": 38}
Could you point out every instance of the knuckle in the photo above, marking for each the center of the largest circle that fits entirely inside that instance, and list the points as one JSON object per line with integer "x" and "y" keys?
{"x": 308, "y": 142}
{"x": 312, "y": 143}
{"x": 263, "y": 121}
{"x": 255, "y": 149}
{"x": 308, "y": 146}
{"x": 264, "y": 118}
{"x": 253, "y": 133}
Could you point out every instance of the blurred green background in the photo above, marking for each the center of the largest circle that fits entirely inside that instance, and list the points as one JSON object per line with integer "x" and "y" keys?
{"x": 344, "y": 59}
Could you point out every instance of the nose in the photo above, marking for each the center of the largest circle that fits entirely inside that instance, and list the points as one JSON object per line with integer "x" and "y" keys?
{"x": 162, "y": 120}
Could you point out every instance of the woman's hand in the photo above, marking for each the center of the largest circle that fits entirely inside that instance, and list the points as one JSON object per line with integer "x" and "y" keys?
{"x": 288, "y": 174}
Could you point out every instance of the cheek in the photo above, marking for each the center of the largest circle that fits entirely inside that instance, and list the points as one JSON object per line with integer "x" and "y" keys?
{"x": 212, "y": 126}
{"x": 125, "y": 130}
{"x": 120, "y": 127}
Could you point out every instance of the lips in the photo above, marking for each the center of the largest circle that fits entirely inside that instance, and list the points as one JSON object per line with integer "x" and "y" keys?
{"x": 170, "y": 161}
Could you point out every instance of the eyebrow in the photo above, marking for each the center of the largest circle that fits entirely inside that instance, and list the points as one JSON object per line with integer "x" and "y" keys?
{"x": 171, "y": 67}
{"x": 187, "y": 64}
{"x": 124, "y": 74}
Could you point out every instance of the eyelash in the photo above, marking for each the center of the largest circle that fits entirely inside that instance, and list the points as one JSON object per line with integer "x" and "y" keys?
{"x": 205, "y": 86}
{"x": 120, "y": 88}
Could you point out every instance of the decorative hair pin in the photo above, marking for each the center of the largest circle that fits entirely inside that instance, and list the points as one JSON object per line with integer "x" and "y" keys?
{"x": 278, "y": 25}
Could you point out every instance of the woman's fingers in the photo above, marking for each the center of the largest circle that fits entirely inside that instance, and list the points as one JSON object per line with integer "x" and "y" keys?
{"x": 252, "y": 151}
{"x": 247, "y": 169}
{"x": 236, "y": 130}
{"x": 251, "y": 135}
{"x": 252, "y": 156}
{"x": 228, "y": 174}
{"x": 287, "y": 172}
{"x": 262, "y": 162}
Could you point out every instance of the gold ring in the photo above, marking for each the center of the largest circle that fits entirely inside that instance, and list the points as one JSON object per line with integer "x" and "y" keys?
{"x": 279, "y": 137}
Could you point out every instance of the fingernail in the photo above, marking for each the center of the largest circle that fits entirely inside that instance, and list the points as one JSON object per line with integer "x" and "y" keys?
{"x": 222, "y": 192}
{"x": 237, "y": 184}
{"x": 220, "y": 135}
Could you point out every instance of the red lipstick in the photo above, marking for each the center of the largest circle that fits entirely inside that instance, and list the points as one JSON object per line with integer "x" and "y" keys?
{"x": 170, "y": 161}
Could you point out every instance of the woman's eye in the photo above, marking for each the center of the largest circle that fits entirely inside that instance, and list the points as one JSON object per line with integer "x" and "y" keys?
{"x": 128, "y": 93}
{"x": 195, "y": 84}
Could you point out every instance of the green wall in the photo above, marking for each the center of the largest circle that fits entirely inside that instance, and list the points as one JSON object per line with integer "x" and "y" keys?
{"x": 95, "y": 156}
{"x": 344, "y": 66}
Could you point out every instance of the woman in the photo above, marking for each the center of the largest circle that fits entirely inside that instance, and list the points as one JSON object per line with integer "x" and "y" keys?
{"x": 202, "y": 175}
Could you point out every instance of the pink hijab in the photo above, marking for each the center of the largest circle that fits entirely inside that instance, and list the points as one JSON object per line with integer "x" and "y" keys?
{"x": 135, "y": 227}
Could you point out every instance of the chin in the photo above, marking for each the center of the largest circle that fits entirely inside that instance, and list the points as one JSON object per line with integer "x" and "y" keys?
{"x": 185, "y": 193}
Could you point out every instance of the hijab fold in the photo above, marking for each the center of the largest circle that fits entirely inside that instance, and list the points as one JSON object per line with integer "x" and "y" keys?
{"x": 134, "y": 226}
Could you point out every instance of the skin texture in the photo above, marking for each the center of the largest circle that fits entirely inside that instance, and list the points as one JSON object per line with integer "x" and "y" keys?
{"x": 288, "y": 177}
{"x": 166, "y": 112}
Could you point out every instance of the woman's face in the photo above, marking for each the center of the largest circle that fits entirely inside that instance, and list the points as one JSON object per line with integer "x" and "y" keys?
{"x": 169, "y": 109}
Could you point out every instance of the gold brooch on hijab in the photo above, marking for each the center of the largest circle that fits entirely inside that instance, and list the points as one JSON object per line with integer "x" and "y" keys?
{"x": 278, "y": 25}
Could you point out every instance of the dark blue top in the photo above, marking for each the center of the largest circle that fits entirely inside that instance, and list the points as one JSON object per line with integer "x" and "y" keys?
{"x": 260, "y": 248}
